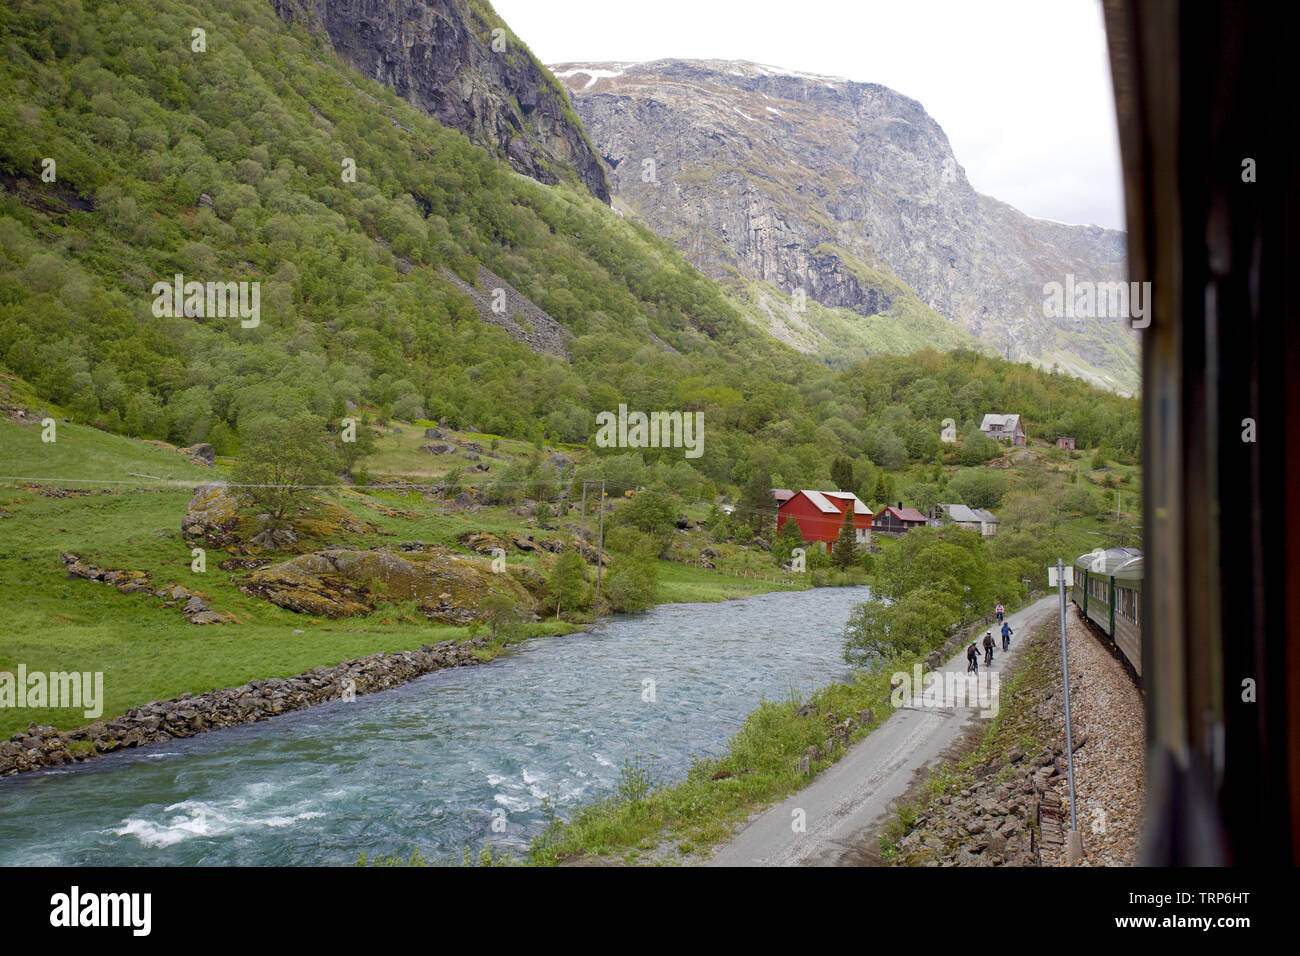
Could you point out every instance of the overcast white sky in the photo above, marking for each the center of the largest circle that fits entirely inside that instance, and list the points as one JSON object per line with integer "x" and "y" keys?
{"x": 1021, "y": 87}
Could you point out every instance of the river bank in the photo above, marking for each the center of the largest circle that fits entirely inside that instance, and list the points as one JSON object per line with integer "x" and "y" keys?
{"x": 191, "y": 714}
{"x": 188, "y": 714}
{"x": 460, "y": 757}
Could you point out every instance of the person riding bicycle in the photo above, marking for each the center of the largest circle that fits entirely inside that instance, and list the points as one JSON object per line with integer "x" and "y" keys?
{"x": 1000, "y": 609}
{"x": 988, "y": 648}
{"x": 972, "y": 658}
{"x": 1006, "y": 635}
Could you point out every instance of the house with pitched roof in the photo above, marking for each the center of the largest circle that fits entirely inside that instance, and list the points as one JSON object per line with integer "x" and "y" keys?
{"x": 1004, "y": 428}
{"x": 898, "y": 520}
{"x": 820, "y": 514}
{"x": 978, "y": 519}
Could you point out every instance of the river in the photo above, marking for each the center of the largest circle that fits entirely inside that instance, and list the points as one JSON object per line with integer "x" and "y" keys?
{"x": 451, "y": 760}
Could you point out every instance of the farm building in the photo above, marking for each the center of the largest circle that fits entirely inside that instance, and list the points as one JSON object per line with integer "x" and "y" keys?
{"x": 1065, "y": 441}
{"x": 978, "y": 519}
{"x": 820, "y": 514}
{"x": 782, "y": 495}
{"x": 1004, "y": 428}
{"x": 897, "y": 520}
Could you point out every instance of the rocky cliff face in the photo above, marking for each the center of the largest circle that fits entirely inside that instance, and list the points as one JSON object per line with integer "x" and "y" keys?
{"x": 443, "y": 56}
{"x": 841, "y": 189}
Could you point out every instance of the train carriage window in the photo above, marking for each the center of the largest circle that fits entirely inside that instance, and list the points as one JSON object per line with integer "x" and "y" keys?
{"x": 1126, "y": 604}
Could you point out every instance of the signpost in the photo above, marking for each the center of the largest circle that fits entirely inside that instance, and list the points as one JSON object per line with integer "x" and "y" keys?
{"x": 1061, "y": 576}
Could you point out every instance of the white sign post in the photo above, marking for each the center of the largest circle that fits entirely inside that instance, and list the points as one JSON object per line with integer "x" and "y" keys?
{"x": 1063, "y": 576}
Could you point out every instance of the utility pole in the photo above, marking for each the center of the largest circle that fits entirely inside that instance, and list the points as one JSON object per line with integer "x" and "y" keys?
{"x": 600, "y": 546}
{"x": 1074, "y": 848}
{"x": 582, "y": 523}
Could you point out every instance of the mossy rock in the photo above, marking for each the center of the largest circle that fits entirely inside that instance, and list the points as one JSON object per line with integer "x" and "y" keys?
{"x": 483, "y": 542}
{"x": 343, "y": 583}
{"x": 534, "y": 582}
{"x": 212, "y": 514}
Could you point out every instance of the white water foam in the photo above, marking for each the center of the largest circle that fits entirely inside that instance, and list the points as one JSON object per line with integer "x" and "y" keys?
{"x": 197, "y": 818}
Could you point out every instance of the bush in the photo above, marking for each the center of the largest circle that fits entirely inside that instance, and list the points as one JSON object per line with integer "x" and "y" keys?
{"x": 567, "y": 585}
{"x": 633, "y": 581}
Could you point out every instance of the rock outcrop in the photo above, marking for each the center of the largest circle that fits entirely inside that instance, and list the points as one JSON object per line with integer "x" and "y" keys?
{"x": 848, "y": 191}
{"x": 445, "y": 58}
{"x": 194, "y": 606}
{"x": 213, "y": 519}
{"x": 344, "y": 583}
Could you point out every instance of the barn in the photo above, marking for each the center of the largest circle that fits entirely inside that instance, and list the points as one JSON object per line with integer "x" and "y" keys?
{"x": 897, "y": 520}
{"x": 1065, "y": 441}
{"x": 820, "y": 514}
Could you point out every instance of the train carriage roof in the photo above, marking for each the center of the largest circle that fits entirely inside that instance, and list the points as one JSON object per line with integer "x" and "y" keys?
{"x": 1111, "y": 561}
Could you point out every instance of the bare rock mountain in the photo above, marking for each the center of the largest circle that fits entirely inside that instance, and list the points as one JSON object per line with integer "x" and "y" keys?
{"x": 445, "y": 57}
{"x": 842, "y": 189}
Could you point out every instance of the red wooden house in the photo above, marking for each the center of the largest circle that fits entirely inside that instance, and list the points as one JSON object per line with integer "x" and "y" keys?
{"x": 820, "y": 514}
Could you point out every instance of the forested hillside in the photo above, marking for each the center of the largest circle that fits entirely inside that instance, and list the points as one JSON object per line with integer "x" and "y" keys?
{"x": 129, "y": 155}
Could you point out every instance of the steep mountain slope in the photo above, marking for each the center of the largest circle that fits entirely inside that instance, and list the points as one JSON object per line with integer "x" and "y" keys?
{"x": 228, "y": 165}
{"x": 445, "y": 57}
{"x": 841, "y": 189}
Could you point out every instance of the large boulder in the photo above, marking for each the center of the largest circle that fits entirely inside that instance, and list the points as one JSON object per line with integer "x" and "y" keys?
{"x": 483, "y": 542}
{"x": 201, "y": 454}
{"x": 212, "y": 514}
{"x": 341, "y": 583}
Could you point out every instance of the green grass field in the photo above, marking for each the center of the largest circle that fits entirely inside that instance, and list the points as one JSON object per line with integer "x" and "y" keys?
{"x": 147, "y": 651}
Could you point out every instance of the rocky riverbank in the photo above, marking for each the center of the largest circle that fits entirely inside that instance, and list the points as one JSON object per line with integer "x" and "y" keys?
{"x": 1007, "y": 803}
{"x": 191, "y": 714}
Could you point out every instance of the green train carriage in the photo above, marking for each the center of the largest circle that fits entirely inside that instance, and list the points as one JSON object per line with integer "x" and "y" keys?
{"x": 1108, "y": 590}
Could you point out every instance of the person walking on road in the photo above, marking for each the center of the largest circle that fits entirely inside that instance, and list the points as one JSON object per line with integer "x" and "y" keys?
{"x": 1001, "y": 610}
{"x": 988, "y": 649}
{"x": 973, "y": 659}
{"x": 1006, "y": 634}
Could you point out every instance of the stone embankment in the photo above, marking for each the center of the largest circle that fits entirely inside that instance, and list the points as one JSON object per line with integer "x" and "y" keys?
{"x": 191, "y": 714}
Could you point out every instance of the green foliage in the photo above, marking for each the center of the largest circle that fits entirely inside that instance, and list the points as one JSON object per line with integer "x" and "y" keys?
{"x": 888, "y": 450}
{"x": 352, "y": 452}
{"x": 880, "y": 496}
{"x": 633, "y": 581}
{"x": 451, "y": 481}
{"x": 977, "y": 447}
{"x": 651, "y": 513}
{"x": 757, "y": 507}
{"x": 567, "y": 585}
{"x": 913, "y": 625}
{"x": 842, "y": 474}
{"x": 978, "y": 487}
{"x": 502, "y": 616}
{"x": 931, "y": 581}
{"x": 281, "y": 457}
{"x": 845, "y": 553}
{"x": 785, "y": 541}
